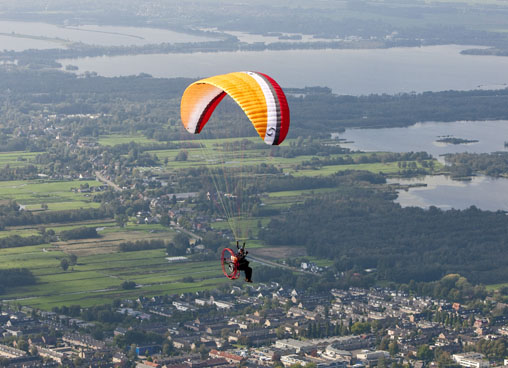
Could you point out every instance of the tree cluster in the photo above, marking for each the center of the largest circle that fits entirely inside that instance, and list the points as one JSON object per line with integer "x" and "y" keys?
{"x": 79, "y": 233}
{"x": 364, "y": 229}
{"x": 142, "y": 245}
{"x": 14, "y": 277}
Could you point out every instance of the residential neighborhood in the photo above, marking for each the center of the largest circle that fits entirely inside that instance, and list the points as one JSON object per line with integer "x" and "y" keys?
{"x": 262, "y": 325}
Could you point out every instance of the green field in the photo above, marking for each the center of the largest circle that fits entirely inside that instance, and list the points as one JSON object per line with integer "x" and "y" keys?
{"x": 101, "y": 268}
{"x": 16, "y": 159}
{"x": 114, "y": 139}
{"x": 57, "y": 195}
{"x": 243, "y": 225}
{"x": 494, "y": 287}
{"x": 96, "y": 279}
{"x": 386, "y": 168}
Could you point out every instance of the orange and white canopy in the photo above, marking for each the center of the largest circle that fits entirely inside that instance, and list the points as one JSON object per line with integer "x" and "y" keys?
{"x": 259, "y": 96}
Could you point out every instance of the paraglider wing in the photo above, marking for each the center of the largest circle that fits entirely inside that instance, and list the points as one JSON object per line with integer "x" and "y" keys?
{"x": 259, "y": 96}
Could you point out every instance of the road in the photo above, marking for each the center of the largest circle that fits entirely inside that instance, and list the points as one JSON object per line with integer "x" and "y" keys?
{"x": 101, "y": 178}
{"x": 278, "y": 265}
{"x": 253, "y": 258}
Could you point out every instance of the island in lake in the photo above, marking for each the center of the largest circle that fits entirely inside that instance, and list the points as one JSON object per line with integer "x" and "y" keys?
{"x": 453, "y": 140}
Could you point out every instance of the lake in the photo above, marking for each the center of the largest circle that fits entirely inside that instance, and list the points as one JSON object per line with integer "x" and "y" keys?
{"x": 441, "y": 191}
{"x": 354, "y": 72}
{"x": 491, "y": 136}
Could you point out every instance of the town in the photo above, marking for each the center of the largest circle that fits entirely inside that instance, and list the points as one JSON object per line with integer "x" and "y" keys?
{"x": 262, "y": 325}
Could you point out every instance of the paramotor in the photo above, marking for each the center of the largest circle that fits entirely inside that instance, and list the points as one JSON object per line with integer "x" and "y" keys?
{"x": 229, "y": 262}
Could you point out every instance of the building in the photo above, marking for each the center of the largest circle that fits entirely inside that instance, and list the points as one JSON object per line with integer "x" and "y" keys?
{"x": 288, "y": 360}
{"x": 230, "y": 357}
{"x": 296, "y": 345}
{"x": 471, "y": 360}
{"x": 10, "y": 352}
{"x": 372, "y": 357}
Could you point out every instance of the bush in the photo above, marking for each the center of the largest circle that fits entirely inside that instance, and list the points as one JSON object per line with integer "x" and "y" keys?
{"x": 128, "y": 285}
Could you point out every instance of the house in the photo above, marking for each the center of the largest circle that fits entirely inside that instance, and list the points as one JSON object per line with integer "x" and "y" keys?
{"x": 83, "y": 341}
{"x": 52, "y": 354}
{"x": 120, "y": 331}
{"x": 230, "y": 357}
{"x": 9, "y": 352}
{"x": 254, "y": 336}
{"x": 223, "y": 304}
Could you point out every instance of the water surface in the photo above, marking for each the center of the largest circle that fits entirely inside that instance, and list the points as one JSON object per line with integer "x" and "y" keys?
{"x": 441, "y": 191}
{"x": 354, "y": 72}
{"x": 88, "y": 34}
{"x": 491, "y": 136}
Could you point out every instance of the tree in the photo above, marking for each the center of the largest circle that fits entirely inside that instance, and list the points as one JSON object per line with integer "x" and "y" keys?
{"x": 73, "y": 259}
{"x": 385, "y": 342}
{"x": 360, "y": 327}
{"x": 128, "y": 285}
{"x": 23, "y": 345}
{"x": 165, "y": 220}
{"x": 167, "y": 348}
{"x": 64, "y": 263}
{"x": 182, "y": 156}
{"x": 132, "y": 352}
{"x": 393, "y": 348}
{"x": 121, "y": 220}
{"x": 424, "y": 353}
{"x": 443, "y": 359}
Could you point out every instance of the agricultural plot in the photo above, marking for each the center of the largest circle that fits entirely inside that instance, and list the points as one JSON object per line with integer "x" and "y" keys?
{"x": 212, "y": 156}
{"x": 16, "y": 159}
{"x": 115, "y": 139}
{"x": 56, "y": 195}
{"x": 101, "y": 268}
{"x": 246, "y": 225}
{"x": 386, "y": 168}
{"x": 108, "y": 243}
{"x": 494, "y": 287}
{"x": 97, "y": 278}
{"x": 280, "y": 252}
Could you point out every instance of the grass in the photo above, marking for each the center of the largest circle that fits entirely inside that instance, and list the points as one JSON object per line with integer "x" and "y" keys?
{"x": 16, "y": 159}
{"x": 101, "y": 269}
{"x": 97, "y": 278}
{"x": 57, "y": 195}
{"x": 243, "y": 226}
{"x": 299, "y": 193}
{"x": 386, "y": 168}
{"x": 494, "y": 287}
{"x": 115, "y": 139}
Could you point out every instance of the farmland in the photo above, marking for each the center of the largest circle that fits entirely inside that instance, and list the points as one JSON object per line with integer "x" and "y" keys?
{"x": 101, "y": 267}
{"x": 99, "y": 276}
